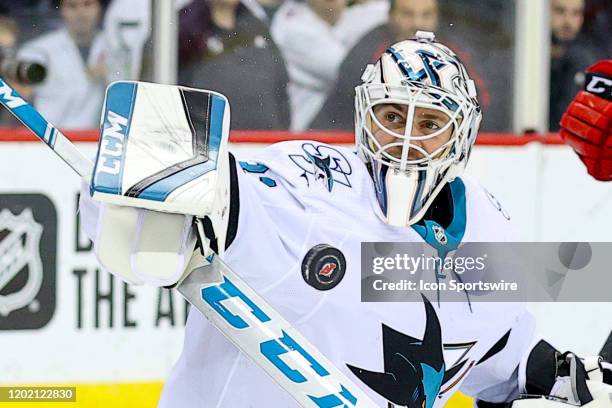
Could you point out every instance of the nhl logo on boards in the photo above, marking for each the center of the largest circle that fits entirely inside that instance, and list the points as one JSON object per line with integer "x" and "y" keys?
{"x": 323, "y": 267}
{"x": 28, "y": 246}
{"x": 19, "y": 251}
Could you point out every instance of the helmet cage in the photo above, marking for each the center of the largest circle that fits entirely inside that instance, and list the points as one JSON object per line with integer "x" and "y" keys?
{"x": 429, "y": 170}
{"x": 413, "y": 95}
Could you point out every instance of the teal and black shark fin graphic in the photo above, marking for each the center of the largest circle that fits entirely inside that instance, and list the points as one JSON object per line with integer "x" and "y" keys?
{"x": 414, "y": 369}
{"x": 322, "y": 170}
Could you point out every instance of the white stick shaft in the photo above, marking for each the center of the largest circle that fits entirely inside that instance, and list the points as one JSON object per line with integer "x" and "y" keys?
{"x": 44, "y": 130}
{"x": 269, "y": 340}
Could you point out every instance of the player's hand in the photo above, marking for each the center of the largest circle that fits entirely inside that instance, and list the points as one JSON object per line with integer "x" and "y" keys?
{"x": 587, "y": 123}
{"x": 98, "y": 71}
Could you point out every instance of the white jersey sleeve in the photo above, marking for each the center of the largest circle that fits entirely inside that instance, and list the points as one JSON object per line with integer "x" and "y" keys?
{"x": 495, "y": 377}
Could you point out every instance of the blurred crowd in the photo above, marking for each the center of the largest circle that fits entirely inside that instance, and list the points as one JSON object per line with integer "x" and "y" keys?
{"x": 284, "y": 64}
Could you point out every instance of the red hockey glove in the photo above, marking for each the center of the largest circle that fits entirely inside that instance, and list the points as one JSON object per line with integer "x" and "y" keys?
{"x": 586, "y": 125}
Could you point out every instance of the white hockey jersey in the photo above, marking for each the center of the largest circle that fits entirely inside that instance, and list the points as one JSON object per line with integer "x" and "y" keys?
{"x": 296, "y": 195}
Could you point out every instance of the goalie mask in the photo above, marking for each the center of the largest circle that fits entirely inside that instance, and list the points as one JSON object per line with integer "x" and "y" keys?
{"x": 416, "y": 119}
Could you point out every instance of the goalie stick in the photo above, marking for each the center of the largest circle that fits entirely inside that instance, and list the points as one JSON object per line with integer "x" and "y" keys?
{"x": 44, "y": 130}
{"x": 235, "y": 309}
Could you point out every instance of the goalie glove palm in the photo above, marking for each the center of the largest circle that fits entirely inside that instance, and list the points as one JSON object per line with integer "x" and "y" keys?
{"x": 587, "y": 123}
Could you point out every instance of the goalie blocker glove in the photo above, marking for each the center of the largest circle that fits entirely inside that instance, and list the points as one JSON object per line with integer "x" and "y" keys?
{"x": 587, "y": 122}
{"x": 551, "y": 379}
{"x": 162, "y": 160}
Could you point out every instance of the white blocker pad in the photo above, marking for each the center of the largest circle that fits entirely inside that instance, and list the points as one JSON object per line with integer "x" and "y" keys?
{"x": 163, "y": 148}
{"x": 114, "y": 238}
{"x": 163, "y": 245}
{"x": 141, "y": 246}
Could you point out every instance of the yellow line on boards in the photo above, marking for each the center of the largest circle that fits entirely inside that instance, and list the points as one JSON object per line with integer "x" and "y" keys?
{"x": 136, "y": 395}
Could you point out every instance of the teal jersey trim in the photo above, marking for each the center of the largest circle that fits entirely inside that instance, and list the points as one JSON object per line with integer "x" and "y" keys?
{"x": 447, "y": 240}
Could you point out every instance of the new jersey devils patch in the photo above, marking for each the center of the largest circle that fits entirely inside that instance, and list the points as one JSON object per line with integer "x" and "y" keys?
{"x": 323, "y": 267}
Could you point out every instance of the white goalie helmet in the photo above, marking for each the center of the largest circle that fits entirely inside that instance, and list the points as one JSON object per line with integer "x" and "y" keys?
{"x": 416, "y": 120}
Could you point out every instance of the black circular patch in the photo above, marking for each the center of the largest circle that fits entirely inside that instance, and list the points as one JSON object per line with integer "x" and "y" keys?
{"x": 323, "y": 267}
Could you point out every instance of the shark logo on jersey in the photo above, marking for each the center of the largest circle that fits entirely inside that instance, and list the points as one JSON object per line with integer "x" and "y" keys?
{"x": 414, "y": 370}
{"x": 324, "y": 163}
{"x": 322, "y": 170}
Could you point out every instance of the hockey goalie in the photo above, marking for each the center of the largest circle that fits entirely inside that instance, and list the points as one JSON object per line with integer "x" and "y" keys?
{"x": 167, "y": 196}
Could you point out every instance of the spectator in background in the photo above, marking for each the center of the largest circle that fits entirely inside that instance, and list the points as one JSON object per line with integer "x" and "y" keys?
{"x": 208, "y": 28}
{"x": 237, "y": 57}
{"x": 566, "y": 20}
{"x": 267, "y": 7}
{"x": 406, "y": 17}
{"x": 597, "y": 27}
{"x": 314, "y": 37}
{"x": 127, "y": 27}
{"x": 34, "y": 17}
{"x": 568, "y": 57}
{"x": 9, "y": 34}
{"x": 71, "y": 95}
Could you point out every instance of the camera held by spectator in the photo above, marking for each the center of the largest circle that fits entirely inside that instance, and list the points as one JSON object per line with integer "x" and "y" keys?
{"x": 24, "y": 72}
{"x": 75, "y": 56}
{"x": 17, "y": 70}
